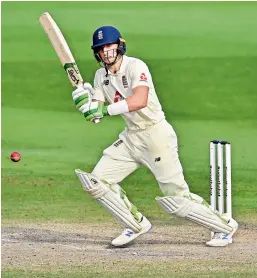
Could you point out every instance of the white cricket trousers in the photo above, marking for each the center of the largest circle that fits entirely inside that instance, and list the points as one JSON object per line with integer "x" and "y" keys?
{"x": 155, "y": 147}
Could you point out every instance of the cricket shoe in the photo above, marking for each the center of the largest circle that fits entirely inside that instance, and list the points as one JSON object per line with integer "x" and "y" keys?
{"x": 128, "y": 235}
{"x": 222, "y": 239}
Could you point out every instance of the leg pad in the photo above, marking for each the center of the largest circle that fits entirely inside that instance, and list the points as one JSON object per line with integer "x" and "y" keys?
{"x": 194, "y": 208}
{"x": 108, "y": 198}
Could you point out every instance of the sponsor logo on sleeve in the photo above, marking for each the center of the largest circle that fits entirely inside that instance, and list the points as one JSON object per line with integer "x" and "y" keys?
{"x": 143, "y": 77}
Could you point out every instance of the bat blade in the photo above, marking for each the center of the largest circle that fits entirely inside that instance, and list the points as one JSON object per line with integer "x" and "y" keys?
{"x": 61, "y": 48}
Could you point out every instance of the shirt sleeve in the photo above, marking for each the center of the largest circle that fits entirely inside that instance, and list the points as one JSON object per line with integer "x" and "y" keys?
{"x": 98, "y": 89}
{"x": 140, "y": 74}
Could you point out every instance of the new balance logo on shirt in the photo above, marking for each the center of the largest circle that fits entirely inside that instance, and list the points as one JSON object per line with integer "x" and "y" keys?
{"x": 106, "y": 82}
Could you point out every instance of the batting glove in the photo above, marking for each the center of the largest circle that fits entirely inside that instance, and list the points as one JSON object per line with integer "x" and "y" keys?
{"x": 96, "y": 110}
{"x": 82, "y": 97}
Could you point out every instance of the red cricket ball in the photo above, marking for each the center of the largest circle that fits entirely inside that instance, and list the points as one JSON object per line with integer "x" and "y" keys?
{"x": 15, "y": 157}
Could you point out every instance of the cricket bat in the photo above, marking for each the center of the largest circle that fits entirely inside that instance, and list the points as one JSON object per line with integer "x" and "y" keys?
{"x": 62, "y": 50}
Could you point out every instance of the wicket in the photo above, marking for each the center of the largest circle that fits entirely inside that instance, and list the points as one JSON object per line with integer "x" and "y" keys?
{"x": 217, "y": 191}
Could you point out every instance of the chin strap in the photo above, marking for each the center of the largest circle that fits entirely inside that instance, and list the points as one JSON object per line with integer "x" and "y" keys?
{"x": 106, "y": 69}
{"x": 118, "y": 56}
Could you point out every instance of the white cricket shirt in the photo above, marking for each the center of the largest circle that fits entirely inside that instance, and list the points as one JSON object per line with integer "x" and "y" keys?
{"x": 115, "y": 87}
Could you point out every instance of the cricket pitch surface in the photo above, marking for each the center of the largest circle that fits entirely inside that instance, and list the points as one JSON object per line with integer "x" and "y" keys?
{"x": 173, "y": 249}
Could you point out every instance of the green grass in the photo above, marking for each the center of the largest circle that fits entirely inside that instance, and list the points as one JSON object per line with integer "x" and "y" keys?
{"x": 204, "y": 72}
{"x": 45, "y": 175}
{"x": 203, "y": 58}
{"x": 144, "y": 269}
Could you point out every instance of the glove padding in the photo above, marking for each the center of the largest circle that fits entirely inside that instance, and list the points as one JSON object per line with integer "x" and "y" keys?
{"x": 82, "y": 97}
{"x": 96, "y": 110}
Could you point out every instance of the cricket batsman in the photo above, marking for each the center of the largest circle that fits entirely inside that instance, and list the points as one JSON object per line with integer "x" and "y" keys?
{"x": 126, "y": 84}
